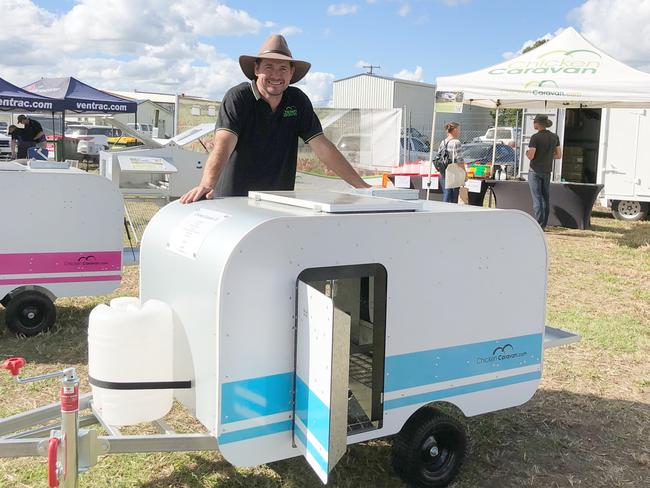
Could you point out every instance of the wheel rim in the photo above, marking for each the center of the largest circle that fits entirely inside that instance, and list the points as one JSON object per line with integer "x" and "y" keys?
{"x": 629, "y": 208}
{"x": 31, "y": 316}
{"x": 438, "y": 453}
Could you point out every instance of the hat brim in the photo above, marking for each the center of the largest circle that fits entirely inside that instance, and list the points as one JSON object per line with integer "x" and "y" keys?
{"x": 247, "y": 64}
{"x": 545, "y": 122}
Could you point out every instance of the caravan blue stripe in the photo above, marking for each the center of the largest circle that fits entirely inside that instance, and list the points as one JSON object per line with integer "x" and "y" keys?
{"x": 250, "y": 433}
{"x": 451, "y": 363}
{"x": 311, "y": 448}
{"x": 256, "y": 397}
{"x": 460, "y": 390}
{"x": 313, "y": 413}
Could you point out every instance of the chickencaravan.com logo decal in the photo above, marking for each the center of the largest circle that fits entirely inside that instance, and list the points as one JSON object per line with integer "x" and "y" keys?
{"x": 577, "y": 62}
{"x": 502, "y": 353}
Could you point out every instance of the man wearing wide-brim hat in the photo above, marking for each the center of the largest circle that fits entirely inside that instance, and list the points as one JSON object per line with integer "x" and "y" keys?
{"x": 543, "y": 148}
{"x": 257, "y": 130}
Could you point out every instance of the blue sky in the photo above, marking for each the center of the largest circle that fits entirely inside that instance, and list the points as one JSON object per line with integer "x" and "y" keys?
{"x": 192, "y": 46}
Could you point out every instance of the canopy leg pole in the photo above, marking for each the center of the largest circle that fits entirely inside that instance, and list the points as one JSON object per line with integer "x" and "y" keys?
{"x": 433, "y": 132}
{"x": 63, "y": 134}
{"x": 494, "y": 141}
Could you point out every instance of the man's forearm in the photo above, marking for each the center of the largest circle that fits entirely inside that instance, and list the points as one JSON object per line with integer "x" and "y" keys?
{"x": 333, "y": 159}
{"x": 223, "y": 148}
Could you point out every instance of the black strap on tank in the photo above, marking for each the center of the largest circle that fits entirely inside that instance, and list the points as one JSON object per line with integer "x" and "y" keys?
{"x": 140, "y": 385}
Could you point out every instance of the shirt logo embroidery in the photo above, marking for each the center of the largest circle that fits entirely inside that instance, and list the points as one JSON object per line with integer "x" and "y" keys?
{"x": 290, "y": 111}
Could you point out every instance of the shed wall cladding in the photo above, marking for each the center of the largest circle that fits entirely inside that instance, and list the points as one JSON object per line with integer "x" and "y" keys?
{"x": 363, "y": 92}
{"x": 417, "y": 99}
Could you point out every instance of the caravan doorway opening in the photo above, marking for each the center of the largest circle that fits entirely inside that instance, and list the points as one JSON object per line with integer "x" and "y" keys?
{"x": 580, "y": 148}
{"x": 360, "y": 292}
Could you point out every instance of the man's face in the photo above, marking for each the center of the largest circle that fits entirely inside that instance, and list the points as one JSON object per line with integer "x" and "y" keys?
{"x": 273, "y": 76}
{"x": 23, "y": 121}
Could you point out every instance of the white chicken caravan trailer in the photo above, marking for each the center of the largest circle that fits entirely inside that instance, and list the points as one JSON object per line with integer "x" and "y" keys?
{"x": 303, "y": 322}
{"x": 159, "y": 168}
{"x": 602, "y": 146}
{"x": 61, "y": 236}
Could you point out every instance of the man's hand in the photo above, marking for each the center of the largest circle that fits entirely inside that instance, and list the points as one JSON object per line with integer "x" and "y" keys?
{"x": 197, "y": 193}
{"x": 224, "y": 143}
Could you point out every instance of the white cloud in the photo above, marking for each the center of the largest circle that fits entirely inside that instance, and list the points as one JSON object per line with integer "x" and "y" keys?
{"x": 318, "y": 87}
{"x": 404, "y": 10}
{"x": 361, "y": 63}
{"x": 548, "y": 36}
{"x": 410, "y": 75}
{"x": 342, "y": 9}
{"x": 209, "y": 18}
{"x": 454, "y": 3}
{"x": 371, "y": 1}
{"x": 106, "y": 45}
{"x": 620, "y": 28}
{"x": 290, "y": 30}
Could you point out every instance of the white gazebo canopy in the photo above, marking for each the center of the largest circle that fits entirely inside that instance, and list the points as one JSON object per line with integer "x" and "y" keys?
{"x": 565, "y": 72}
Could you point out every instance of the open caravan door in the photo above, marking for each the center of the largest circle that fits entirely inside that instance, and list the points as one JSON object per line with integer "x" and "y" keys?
{"x": 322, "y": 358}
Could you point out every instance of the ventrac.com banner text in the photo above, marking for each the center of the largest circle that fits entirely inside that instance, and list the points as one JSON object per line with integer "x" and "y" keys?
{"x": 104, "y": 107}
{"x": 25, "y": 104}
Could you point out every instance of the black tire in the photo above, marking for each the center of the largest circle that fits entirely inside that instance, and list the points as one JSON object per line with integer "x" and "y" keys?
{"x": 430, "y": 448}
{"x": 630, "y": 210}
{"x": 30, "y": 313}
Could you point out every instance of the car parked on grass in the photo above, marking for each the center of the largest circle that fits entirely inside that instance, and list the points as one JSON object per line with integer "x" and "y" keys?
{"x": 354, "y": 148}
{"x": 413, "y": 149}
{"x": 505, "y": 135}
{"x": 5, "y": 147}
{"x": 89, "y": 139}
{"x": 120, "y": 139}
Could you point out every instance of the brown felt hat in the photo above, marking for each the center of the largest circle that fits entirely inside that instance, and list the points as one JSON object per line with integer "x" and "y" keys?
{"x": 275, "y": 47}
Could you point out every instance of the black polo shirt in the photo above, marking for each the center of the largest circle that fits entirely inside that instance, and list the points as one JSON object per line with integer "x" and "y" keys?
{"x": 31, "y": 129}
{"x": 267, "y": 146}
{"x": 544, "y": 143}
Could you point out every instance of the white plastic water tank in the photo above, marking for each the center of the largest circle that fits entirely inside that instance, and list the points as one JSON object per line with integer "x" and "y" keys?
{"x": 130, "y": 343}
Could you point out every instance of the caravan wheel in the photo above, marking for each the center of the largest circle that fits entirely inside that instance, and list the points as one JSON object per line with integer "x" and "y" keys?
{"x": 430, "y": 449}
{"x": 30, "y": 313}
{"x": 629, "y": 210}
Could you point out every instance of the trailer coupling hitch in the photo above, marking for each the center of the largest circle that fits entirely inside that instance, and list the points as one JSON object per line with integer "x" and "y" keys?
{"x": 62, "y": 443}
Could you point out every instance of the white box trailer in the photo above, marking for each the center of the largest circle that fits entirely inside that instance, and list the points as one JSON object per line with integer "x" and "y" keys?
{"x": 164, "y": 168}
{"x": 612, "y": 151}
{"x": 624, "y": 162}
{"x": 305, "y": 322}
{"x": 62, "y": 236}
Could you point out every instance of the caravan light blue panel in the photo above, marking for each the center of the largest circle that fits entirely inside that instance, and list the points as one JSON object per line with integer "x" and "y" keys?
{"x": 450, "y": 363}
{"x": 256, "y": 397}
{"x": 460, "y": 390}
{"x": 313, "y": 413}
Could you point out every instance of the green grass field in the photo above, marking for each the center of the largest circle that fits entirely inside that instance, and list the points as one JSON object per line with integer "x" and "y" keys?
{"x": 587, "y": 426}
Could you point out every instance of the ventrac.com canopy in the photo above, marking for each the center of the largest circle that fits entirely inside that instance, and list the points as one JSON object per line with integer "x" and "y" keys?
{"x": 567, "y": 71}
{"x": 79, "y": 97}
{"x": 15, "y": 99}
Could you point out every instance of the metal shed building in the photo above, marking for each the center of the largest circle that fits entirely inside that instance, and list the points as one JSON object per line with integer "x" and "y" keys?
{"x": 415, "y": 98}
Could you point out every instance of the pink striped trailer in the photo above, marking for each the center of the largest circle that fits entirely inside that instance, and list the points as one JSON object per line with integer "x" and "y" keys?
{"x": 61, "y": 236}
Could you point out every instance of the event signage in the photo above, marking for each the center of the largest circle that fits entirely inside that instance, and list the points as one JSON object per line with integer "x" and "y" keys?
{"x": 449, "y": 102}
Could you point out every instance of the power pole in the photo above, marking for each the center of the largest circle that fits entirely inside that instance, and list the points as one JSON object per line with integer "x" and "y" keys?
{"x": 371, "y": 67}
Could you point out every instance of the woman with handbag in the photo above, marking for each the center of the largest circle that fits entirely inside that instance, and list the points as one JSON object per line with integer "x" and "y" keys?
{"x": 453, "y": 177}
